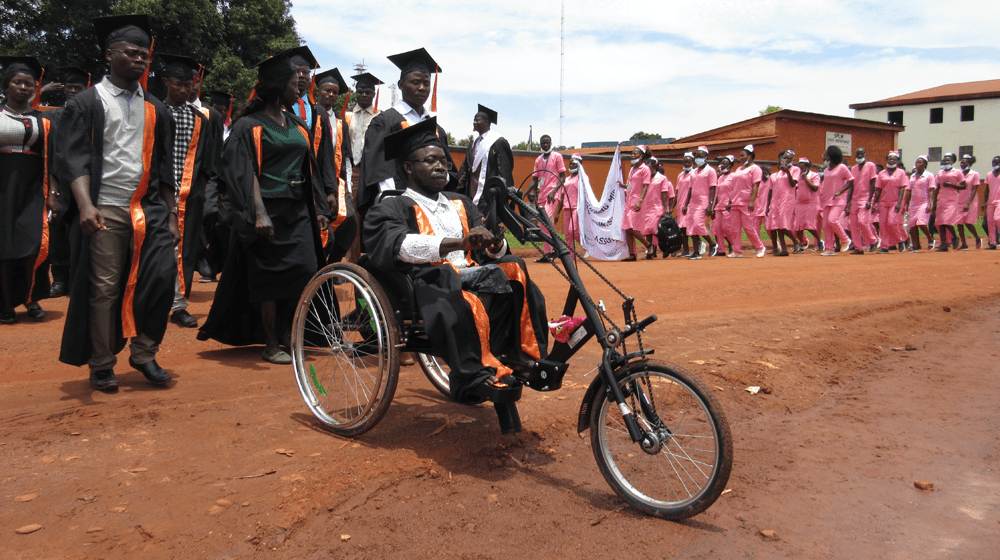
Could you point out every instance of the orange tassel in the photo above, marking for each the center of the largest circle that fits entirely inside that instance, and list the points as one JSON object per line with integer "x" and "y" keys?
{"x": 253, "y": 92}
{"x": 201, "y": 79}
{"x": 434, "y": 93}
{"x": 376, "y": 99}
{"x": 229, "y": 114}
{"x": 343, "y": 110}
{"x": 89, "y": 77}
{"x": 38, "y": 91}
{"x": 144, "y": 80}
{"x": 312, "y": 89}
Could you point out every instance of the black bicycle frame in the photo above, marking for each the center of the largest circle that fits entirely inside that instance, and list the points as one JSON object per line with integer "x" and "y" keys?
{"x": 519, "y": 226}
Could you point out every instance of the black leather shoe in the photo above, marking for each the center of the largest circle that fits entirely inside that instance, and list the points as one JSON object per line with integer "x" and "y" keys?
{"x": 544, "y": 259}
{"x": 152, "y": 371}
{"x": 104, "y": 380}
{"x": 58, "y": 289}
{"x": 35, "y": 311}
{"x": 184, "y": 319}
{"x": 8, "y": 318}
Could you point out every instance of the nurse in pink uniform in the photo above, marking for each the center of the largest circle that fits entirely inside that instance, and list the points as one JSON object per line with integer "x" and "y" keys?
{"x": 862, "y": 230}
{"x": 703, "y": 183}
{"x": 742, "y": 195}
{"x": 762, "y": 214}
{"x": 971, "y": 210}
{"x": 782, "y": 211}
{"x": 656, "y": 202}
{"x": 832, "y": 198}
{"x": 717, "y": 208}
{"x": 807, "y": 207}
{"x": 549, "y": 174}
{"x": 889, "y": 186}
{"x": 638, "y": 183}
{"x": 917, "y": 203}
{"x": 991, "y": 203}
{"x": 683, "y": 190}
{"x": 945, "y": 204}
{"x": 567, "y": 198}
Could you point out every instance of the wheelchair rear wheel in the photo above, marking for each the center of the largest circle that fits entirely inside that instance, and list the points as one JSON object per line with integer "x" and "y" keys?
{"x": 437, "y": 371}
{"x": 345, "y": 349}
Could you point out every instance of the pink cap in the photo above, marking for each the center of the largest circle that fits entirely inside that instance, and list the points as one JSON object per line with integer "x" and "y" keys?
{"x": 704, "y": 149}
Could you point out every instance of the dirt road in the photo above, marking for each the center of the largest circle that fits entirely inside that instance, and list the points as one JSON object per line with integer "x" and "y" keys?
{"x": 826, "y": 455}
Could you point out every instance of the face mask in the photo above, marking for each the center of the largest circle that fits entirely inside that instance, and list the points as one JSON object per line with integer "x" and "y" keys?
{"x": 688, "y": 168}
{"x": 946, "y": 166}
{"x": 860, "y": 160}
{"x": 699, "y": 161}
{"x": 996, "y": 167}
{"x": 635, "y": 161}
{"x": 891, "y": 165}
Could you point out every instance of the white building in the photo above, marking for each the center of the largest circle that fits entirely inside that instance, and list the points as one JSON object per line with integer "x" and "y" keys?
{"x": 959, "y": 118}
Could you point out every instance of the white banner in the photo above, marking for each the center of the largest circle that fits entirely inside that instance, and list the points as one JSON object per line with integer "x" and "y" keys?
{"x": 601, "y": 220}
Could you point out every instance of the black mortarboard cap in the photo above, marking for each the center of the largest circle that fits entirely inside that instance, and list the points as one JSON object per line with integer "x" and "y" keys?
{"x": 404, "y": 142}
{"x": 414, "y": 61}
{"x": 273, "y": 75}
{"x": 302, "y": 53}
{"x": 23, "y": 64}
{"x": 219, "y": 97}
{"x": 72, "y": 75}
{"x": 490, "y": 113}
{"x": 179, "y": 66}
{"x": 366, "y": 80}
{"x": 332, "y": 76}
{"x": 133, "y": 28}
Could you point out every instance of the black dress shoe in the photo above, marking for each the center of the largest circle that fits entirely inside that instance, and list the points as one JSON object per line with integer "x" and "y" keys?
{"x": 104, "y": 380}
{"x": 630, "y": 258}
{"x": 152, "y": 371}
{"x": 58, "y": 289}
{"x": 183, "y": 318}
{"x": 544, "y": 259}
{"x": 8, "y": 318}
{"x": 35, "y": 311}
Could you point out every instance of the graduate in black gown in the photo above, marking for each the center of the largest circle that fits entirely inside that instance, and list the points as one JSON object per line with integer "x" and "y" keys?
{"x": 73, "y": 80}
{"x": 477, "y": 302}
{"x": 24, "y": 136}
{"x": 195, "y": 153}
{"x": 489, "y": 155}
{"x": 214, "y": 245}
{"x": 116, "y": 153}
{"x": 279, "y": 207}
{"x": 344, "y": 225}
{"x": 378, "y": 173}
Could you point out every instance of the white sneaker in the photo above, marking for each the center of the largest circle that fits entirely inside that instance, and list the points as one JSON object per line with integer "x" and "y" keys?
{"x": 703, "y": 249}
{"x": 760, "y": 254}
{"x": 735, "y": 255}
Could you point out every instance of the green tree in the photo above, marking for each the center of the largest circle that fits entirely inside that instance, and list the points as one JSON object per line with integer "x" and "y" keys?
{"x": 644, "y": 136}
{"x": 229, "y": 36}
{"x": 771, "y": 109}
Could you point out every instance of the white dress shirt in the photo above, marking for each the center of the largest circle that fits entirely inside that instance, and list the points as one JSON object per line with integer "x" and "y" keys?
{"x": 420, "y": 248}
{"x": 412, "y": 117}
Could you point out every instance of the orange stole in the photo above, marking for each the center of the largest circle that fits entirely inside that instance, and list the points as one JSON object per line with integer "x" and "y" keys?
{"x": 138, "y": 222}
{"x": 529, "y": 344}
{"x": 338, "y": 159}
{"x": 185, "y": 189}
{"x": 43, "y": 251}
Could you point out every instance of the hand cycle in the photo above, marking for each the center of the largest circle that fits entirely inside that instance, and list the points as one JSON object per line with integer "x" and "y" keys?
{"x": 659, "y": 435}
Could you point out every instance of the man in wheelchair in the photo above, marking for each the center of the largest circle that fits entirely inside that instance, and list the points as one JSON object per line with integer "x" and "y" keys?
{"x": 480, "y": 310}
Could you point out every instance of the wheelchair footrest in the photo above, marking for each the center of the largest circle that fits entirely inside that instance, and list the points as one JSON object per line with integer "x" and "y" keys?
{"x": 544, "y": 375}
{"x": 510, "y": 420}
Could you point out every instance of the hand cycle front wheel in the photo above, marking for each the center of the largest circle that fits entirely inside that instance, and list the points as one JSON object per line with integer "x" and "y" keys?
{"x": 345, "y": 349}
{"x": 683, "y": 464}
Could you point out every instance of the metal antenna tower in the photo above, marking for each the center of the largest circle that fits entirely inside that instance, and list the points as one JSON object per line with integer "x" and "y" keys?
{"x": 359, "y": 67}
{"x": 562, "y": 57}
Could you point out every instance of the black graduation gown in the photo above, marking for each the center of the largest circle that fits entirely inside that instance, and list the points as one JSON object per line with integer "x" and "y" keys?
{"x": 331, "y": 145}
{"x": 233, "y": 319}
{"x": 460, "y": 330}
{"x": 374, "y": 168}
{"x": 59, "y": 224}
{"x": 499, "y": 163}
{"x": 23, "y": 224}
{"x": 207, "y": 249}
{"x": 145, "y": 306}
{"x": 199, "y": 162}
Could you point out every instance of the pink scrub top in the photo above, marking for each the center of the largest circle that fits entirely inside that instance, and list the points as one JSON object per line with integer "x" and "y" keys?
{"x": 803, "y": 194}
{"x": 569, "y": 194}
{"x": 890, "y": 184}
{"x": 863, "y": 181}
{"x": 556, "y": 165}
{"x": 760, "y": 205}
{"x": 742, "y": 185}
{"x": 994, "y": 183}
{"x": 701, "y": 181}
{"x": 920, "y": 187}
{"x": 834, "y": 180}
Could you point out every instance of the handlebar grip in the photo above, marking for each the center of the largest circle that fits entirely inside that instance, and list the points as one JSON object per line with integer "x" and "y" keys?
{"x": 642, "y": 324}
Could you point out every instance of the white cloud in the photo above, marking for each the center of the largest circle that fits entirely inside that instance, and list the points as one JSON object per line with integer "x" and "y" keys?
{"x": 659, "y": 68}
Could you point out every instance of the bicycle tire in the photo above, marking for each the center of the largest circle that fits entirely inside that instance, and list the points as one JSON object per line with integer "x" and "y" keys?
{"x": 687, "y": 465}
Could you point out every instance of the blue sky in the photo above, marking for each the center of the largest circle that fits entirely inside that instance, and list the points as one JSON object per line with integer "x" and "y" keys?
{"x": 659, "y": 66}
